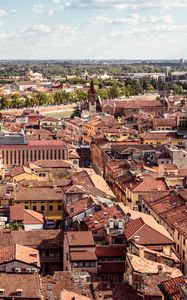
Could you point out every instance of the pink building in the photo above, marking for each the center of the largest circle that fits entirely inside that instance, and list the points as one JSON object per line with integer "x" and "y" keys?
{"x": 32, "y": 151}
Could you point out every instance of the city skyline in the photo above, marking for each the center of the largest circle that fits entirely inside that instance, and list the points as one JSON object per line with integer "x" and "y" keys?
{"x": 93, "y": 29}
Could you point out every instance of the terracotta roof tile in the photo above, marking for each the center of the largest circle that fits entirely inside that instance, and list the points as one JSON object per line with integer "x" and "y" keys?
{"x": 80, "y": 238}
{"x": 147, "y": 234}
{"x": 172, "y": 286}
{"x": 40, "y": 239}
{"x": 29, "y": 283}
{"x": 82, "y": 255}
{"x": 100, "y": 218}
{"x": 20, "y": 253}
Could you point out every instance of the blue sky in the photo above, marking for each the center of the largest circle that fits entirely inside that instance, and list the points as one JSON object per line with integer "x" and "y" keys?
{"x": 93, "y": 29}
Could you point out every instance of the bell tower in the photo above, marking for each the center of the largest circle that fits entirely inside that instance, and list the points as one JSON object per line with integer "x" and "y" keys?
{"x": 92, "y": 98}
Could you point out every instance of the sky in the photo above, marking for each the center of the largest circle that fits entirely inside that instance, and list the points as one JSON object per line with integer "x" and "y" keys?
{"x": 93, "y": 29}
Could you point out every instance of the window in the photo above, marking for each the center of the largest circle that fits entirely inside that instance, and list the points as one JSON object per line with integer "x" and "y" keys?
{"x": 51, "y": 207}
{"x": 26, "y": 207}
{"x": 42, "y": 174}
{"x": 42, "y": 207}
{"x": 59, "y": 207}
{"x": 47, "y": 252}
{"x": 34, "y": 207}
{"x": 183, "y": 254}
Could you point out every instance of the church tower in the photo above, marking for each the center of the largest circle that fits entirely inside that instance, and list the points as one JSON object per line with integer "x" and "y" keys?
{"x": 92, "y": 98}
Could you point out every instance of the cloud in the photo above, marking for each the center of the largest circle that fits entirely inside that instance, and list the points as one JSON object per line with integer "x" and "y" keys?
{"x": 2, "y": 12}
{"x": 164, "y": 30}
{"x": 38, "y": 9}
{"x": 50, "y": 12}
{"x": 56, "y": 1}
{"x": 14, "y": 11}
{"x": 133, "y": 20}
{"x": 123, "y": 4}
{"x": 42, "y": 28}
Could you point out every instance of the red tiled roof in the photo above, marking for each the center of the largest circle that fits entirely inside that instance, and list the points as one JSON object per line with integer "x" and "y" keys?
{"x": 159, "y": 135}
{"x": 21, "y": 253}
{"x": 29, "y": 283}
{"x": 32, "y": 217}
{"x": 35, "y": 144}
{"x": 100, "y": 218}
{"x": 16, "y": 213}
{"x": 165, "y": 122}
{"x": 67, "y": 295}
{"x": 147, "y": 234}
{"x": 40, "y": 239}
{"x": 79, "y": 206}
{"x": 172, "y": 287}
{"x": 80, "y": 238}
{"x": 49, "y": 119}
{"x": 82, "y": 255}
{"x": 177, "y": 218}
{"x": 163, "y": 201}
{"x": 132, "y": 227}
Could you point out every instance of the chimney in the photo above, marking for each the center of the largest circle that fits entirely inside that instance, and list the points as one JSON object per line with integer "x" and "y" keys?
{"x": 160, "y": 269}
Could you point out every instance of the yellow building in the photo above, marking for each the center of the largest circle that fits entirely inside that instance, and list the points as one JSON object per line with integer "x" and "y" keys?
{"x": 116, "y": 134}
{"x": 45, "y": 200}
{"x": 89, "y": 130}
{"x": 20, "y": 173}
{"x": 161, "y": 138}
{"x": 136, "y": 188}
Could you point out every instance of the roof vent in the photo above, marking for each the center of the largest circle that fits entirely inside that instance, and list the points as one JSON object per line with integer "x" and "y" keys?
{"x": 96, "y": 222}
{"x": 136, "y": 238}
{"x": 2, "y": 292}
{"x": 19, "y": 292}
{"x": 17, "y": 270}
{"x": 28, "y": 270}
{"x": 33, "y": 254}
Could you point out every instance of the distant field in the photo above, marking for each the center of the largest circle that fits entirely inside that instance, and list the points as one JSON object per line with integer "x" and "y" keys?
{"x": 59, "y": 114}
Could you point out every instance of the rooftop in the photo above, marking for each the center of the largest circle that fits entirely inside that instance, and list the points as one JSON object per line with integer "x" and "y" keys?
{"x": 100, "y": 218}
{"x": 80, "y": 238}
{"x": 18, "y": 213}
{"x": 28, "y": 283}
{"x": 40, "y": 239}
{"x": 172, "y": 287}
{"x": 143, "y": 265}
{"x": 20, "y": 253}
{"x": 147, "y": 235}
